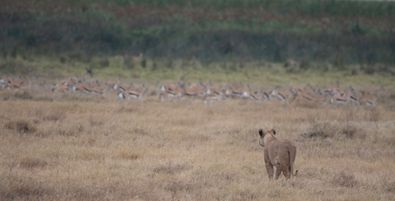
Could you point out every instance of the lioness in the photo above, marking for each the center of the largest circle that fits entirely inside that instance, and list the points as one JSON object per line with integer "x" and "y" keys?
{"x": 279, "y": 154}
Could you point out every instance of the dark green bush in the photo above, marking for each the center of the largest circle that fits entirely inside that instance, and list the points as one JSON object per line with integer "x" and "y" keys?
{"x": 82, "y": 29}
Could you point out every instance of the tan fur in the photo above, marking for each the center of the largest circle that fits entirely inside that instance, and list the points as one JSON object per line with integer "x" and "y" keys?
{"x": 279, "y": 155}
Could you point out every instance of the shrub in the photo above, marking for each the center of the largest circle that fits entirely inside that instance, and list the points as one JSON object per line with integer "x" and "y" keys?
{"x": 351, "y": 132}
{"x": 30, "y": 163}
{"x": 70, "y": 130}
{"x": 388, "y": 186}
{"x": 23, "y": 95}
{"x": 127, "y": 155}
{"x": 21, "y": 126}
{"x": 320, "y": 130}
{"x": 18, "y": 188}
{"x": 54, "y": 116}
{"x": 344, "y": 179}
{"x": 323, "y": 130}
{"x": 171, "y": 168}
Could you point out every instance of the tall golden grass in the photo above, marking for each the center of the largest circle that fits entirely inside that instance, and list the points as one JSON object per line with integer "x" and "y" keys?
{"x": 185, "y": 150}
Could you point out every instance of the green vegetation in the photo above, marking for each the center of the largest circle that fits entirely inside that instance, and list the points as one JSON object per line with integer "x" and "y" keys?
{"x": 159, "y": 70}
{"x": 315, "y": 33}
{"x": 309, "y": 7}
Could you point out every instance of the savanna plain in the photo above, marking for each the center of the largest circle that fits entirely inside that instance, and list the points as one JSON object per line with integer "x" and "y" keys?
{"x": 70, "y": 142}
{"x": 187, "y": 150}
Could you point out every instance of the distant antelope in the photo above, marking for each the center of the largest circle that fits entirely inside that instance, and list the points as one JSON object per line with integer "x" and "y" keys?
{"x": 213, "y": 93}
{"x": 16, "y": 83}
{"x": 82, "y": 87}
{"x": 259, "y": 95}
{"x": 256, "y": 95}
{"x": 131, "y": 92}
{"x": 307, "y": 96}
{"x": 92, "y": 87}
{"x": 237, "y": 91}
{"x": 67, "y": 85}
{"x": 60, "y": 87}
{"x": 11, "y": 83}
{"x": 171, "y": 90}
{"x": 275, "y": 94}
{"x": 195, "y": 90}
{"x": 339, "y": 97}
{"x": 367, "y": 99}
{"x": 111, "y": 86}
{"x": 3, "y": 83}
{"x": 352, "y": 95}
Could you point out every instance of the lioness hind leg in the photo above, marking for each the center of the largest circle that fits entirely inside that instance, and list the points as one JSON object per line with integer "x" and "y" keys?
{"x": 277, "y": 172}
{"x": 286, "y": 173}
{"x": 269, "y": 169}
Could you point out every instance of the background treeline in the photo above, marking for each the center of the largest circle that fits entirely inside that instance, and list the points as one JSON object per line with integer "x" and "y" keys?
{"x": 308, "y": 31}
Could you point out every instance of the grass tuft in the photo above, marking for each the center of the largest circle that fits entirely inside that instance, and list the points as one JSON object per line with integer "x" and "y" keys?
{"x": 325, "y": 129}
{"x": 23, "y": 188}
{"x": 24, "y": 95}
{"x": 30, "y": 163}
{"x": 320, "y": 130}
{"x": 171, "y": 168}
{"x": 55, "y": 116}
{"x": 21, "y": 126}
{"x": 345, "y": 179}
{"x": 128, "y": 155}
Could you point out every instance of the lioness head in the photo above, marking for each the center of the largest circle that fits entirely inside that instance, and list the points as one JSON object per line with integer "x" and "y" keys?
{"x": 265, "y": 134}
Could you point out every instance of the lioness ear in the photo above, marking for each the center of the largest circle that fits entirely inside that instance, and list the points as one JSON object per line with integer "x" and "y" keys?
{"x": 273, "y": 131}
{"x": 260, "y": 132}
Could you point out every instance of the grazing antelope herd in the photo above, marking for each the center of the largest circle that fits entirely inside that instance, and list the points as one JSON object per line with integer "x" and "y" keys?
{"x": 208, "y": 92}
{"x": 11, "y": 83}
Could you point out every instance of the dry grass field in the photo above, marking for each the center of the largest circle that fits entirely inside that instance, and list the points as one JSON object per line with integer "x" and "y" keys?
{"x": 185, "y": 150}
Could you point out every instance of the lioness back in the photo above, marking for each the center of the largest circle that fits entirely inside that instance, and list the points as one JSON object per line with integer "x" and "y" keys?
{"x": 278, "y": 153}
